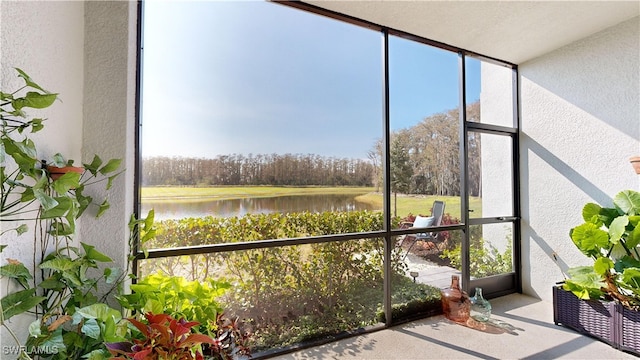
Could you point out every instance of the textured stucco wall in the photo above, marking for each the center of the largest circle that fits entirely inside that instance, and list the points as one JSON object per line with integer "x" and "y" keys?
{"x": 45, "y": 39}
{"x": 109, "y": 112}
{"x": 580, "y": 113}
{"x": 497, "y": 99}
{"x": 85, "y": 51}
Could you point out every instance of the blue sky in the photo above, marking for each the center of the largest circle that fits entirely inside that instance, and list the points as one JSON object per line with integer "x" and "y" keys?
{"x": 255, "y": 77}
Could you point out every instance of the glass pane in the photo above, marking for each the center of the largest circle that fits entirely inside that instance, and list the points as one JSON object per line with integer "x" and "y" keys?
{"x": 490, "y": 175}
{"x": 290, "y": 294}
{"x": 424, "y": 121}
{"x": 489, "y": 93}
{"x": 423, "y": 266}
{"x": 435, "y": 259}
{"x": 491, "y": 249}
{"x": 263, "y": 109}
{"x": 252, "y": 227}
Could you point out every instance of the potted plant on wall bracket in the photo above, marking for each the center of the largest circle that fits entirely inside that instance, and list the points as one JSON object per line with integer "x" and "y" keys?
{"x": 635, "y": 162}
{"x": 603, "y": 299}
{"x": 61, "y": 289}
{"x": 27, "y": 193}
{"x": 61, "y": 167}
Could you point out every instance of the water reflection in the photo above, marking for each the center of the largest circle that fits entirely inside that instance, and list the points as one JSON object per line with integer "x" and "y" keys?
{"x": 240, "y": 207}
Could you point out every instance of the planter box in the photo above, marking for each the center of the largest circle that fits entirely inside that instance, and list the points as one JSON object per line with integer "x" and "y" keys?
{"x": 629, "y": 337}
{"x": 609, "y": 322}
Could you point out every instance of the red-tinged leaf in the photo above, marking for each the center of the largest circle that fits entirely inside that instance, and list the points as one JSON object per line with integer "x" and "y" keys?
{"x": 142, "y": 327}
{"x": 195, "y": 339}
{"x": 142, "y": 354}
{"x": 163, "y": 354}
{"x": 190, "y": 324}
{"x": 178, "y": 329}
{"x": 157, "y": 318}
{"x": 121, "y": 348}
{"x": 163, "y": 331}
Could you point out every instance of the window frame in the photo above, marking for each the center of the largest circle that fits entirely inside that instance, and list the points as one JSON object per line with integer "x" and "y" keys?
{"x": 494, "y": 286}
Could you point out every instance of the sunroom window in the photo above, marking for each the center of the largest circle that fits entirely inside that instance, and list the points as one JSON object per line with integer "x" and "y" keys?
{"x": 286, "y": 156}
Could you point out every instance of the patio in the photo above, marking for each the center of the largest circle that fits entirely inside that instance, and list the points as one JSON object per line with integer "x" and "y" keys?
{"x": 521, "y": 328}
{"x": 578, "y": 125}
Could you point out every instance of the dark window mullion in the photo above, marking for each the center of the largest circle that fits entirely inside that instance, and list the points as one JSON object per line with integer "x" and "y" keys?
{"x": 517, "y": 260}
{"x": 464, "y": 177}
{"x": 388, "y": 243}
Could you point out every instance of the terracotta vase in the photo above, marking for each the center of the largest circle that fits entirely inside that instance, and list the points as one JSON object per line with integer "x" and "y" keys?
{"x": 56, "y": 172}
{"x": 635, "y": 162}
{"x": 456, "y": 304}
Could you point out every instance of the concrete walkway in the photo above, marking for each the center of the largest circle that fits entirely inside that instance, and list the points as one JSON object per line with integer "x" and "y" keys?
{"x": 521, "y": 328}
{"x": 430, "y": 273}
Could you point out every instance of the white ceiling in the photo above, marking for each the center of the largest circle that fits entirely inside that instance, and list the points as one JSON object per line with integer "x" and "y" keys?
{"x": 513, "y": 31}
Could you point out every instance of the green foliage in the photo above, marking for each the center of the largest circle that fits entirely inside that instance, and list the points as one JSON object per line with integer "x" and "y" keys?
{"x": 409, "y": 300}
{"x": 252, "y": 227}
{"x": 79, "y": 336}
{"x": 175, "y": 296}
{"x": 72, "y": 320}
{"x": 291, "y": 293}
{"x": 585, "y": 282}
{"x": 25, "y": 176}
{"x": 162, "y": 337}
{"x": 257, "y": 169}
{"x": 485, "y": 259}
{"x": 71, "y": 323}
{"x": 610, "y": 237}
{"x": 401, "y": 169}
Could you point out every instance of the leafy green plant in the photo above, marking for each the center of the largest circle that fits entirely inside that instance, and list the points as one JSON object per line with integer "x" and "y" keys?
{"x": 195, "y": 300}
{"x": 230, "y": 340}
{"x": 73, "y": 319}
{"x": 292, "y": 293}
{"x": 410, "y": 299}
{"x": 610, "y": 237}
{"x": 82, "y": 335}
{"x": 175, "y": 296}
{"x": 24, "y": 175}
{"x": 485, "y": 259}
{"x": 66, "y": 287}
{"x": 162, "y": 337}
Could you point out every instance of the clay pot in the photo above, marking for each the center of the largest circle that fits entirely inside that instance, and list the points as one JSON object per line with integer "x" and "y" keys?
{"x": 56, "y": 172}
{"x": 635, "y": 162}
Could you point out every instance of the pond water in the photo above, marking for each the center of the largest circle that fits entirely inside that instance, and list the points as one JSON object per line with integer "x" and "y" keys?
{"x": 240, "y": 207}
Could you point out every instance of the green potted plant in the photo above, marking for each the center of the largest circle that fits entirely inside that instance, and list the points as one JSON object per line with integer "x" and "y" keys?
{"x": 162, "y": 337}
{"x": 195, "y": 301}
{"x": 61, "y": 168}
{"x": 609, "y": 288}
{"x": 28, "y": 192}
{"x": 64, "y": 287}
{"x": 60, "y": 287}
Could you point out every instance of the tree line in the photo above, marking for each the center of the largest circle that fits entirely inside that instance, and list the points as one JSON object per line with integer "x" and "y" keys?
{"x": 260, "y": 169}
{"x": 425, "y": 159}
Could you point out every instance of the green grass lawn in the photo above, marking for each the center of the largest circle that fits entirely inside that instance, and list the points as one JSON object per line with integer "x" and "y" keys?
{"x": 173, "y": 193}
{"x": 406, "y": 204}
{"x": 421, "y": 204}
